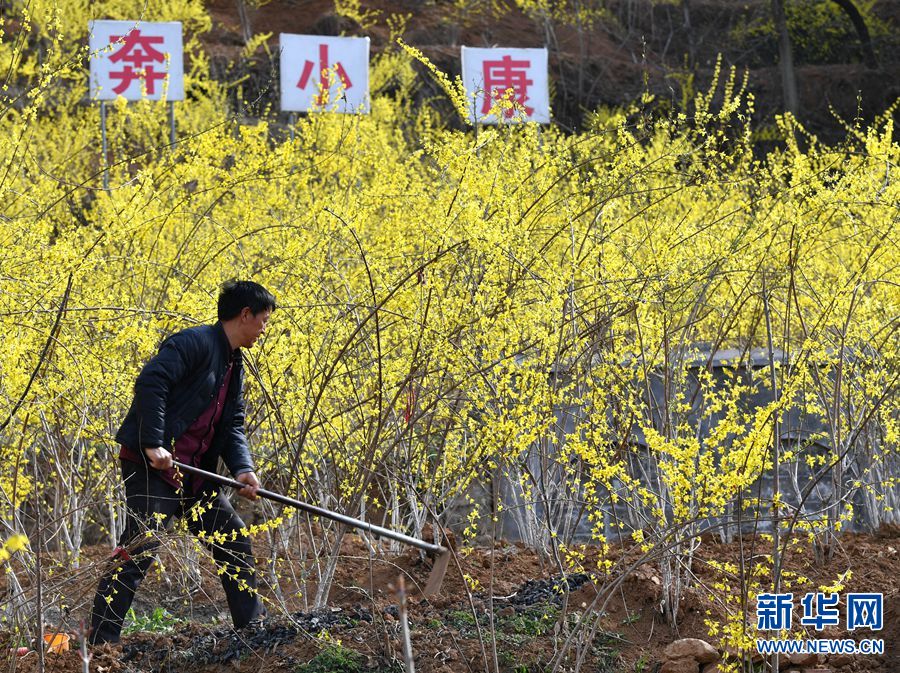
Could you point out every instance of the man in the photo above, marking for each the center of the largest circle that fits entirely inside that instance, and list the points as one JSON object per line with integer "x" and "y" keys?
{"x": 188, "y": 406}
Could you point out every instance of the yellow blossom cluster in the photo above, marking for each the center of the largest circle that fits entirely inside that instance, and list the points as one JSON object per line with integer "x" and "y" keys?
{"x": 454, "y": 307}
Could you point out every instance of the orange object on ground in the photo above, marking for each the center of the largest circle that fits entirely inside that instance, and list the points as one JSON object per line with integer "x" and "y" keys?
{"x": 57, "y": 642}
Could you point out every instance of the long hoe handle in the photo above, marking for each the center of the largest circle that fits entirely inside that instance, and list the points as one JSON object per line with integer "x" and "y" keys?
{"x": 441, "y": 554}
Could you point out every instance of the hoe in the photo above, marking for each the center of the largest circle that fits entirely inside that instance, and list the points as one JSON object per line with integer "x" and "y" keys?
{"x": 441, "y": 554}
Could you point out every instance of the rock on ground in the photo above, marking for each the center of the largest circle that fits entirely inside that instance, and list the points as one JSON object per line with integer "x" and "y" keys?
{"x": 693, "y": 648}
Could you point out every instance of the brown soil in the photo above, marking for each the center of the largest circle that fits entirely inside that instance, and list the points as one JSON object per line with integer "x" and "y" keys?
{"x": 512, "y": 606}
{"x": 640, "y": 46}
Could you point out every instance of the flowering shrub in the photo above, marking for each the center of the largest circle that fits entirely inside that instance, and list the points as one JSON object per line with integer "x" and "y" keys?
{"x": 454, "y": 307}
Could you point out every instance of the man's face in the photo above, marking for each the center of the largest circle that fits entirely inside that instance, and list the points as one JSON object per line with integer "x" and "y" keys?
{"x": 253, "y": 326}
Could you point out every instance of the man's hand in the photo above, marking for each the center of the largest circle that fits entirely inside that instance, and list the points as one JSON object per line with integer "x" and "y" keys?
{"x": 160, "y": 458}
{"x": 249, "y": 491}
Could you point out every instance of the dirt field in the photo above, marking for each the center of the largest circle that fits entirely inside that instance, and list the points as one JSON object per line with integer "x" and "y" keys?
{"x": 516, "y": 617}
{"x": 609, "y": 65}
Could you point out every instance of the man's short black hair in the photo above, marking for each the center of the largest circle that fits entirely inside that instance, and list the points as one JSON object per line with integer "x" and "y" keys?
{"x": 237, "y": 294}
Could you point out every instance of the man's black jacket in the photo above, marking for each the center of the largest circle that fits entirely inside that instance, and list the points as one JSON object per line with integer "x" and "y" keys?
{"x": 177, "y": 385}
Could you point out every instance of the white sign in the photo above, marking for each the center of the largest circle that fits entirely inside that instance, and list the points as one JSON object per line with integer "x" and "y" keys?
{"x": 136, "y": 60}
{"x": 324, "y": 73}
{"x": 518, "y": 75}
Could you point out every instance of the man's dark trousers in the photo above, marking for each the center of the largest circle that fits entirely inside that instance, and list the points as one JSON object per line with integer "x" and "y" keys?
{"x": 151, "y": 503}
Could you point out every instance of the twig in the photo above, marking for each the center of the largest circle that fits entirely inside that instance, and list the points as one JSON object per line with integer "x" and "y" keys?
{"x": 39, "y": 640}
{"x": 45, "y": 352}
{"x": 404, "y": 626}
{"x": 85, "y": 655}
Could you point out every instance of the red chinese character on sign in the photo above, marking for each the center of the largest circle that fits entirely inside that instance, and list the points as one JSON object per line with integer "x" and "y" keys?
{"x": 323, "y": 70}
{"x": 138, "y": 54}
{"x": 502, "y": 75}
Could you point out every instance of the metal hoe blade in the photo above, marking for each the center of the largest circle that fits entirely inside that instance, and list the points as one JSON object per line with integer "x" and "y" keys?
{"x": 438, "y": 570}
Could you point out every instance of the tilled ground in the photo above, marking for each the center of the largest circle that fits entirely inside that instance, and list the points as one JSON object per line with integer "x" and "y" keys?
{"x": 224, "y": 645}
{"x": 501, "y": 609}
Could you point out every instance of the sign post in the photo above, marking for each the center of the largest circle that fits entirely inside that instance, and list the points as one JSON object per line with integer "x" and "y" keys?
{"x": 103, "y": 145}
{"x": 330, "y": 74}
{"x": 172, "y": 123}
{"x": 135, "y": 60}
{"x": 517, "y": 76}
{"x": 292, "y": 122}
